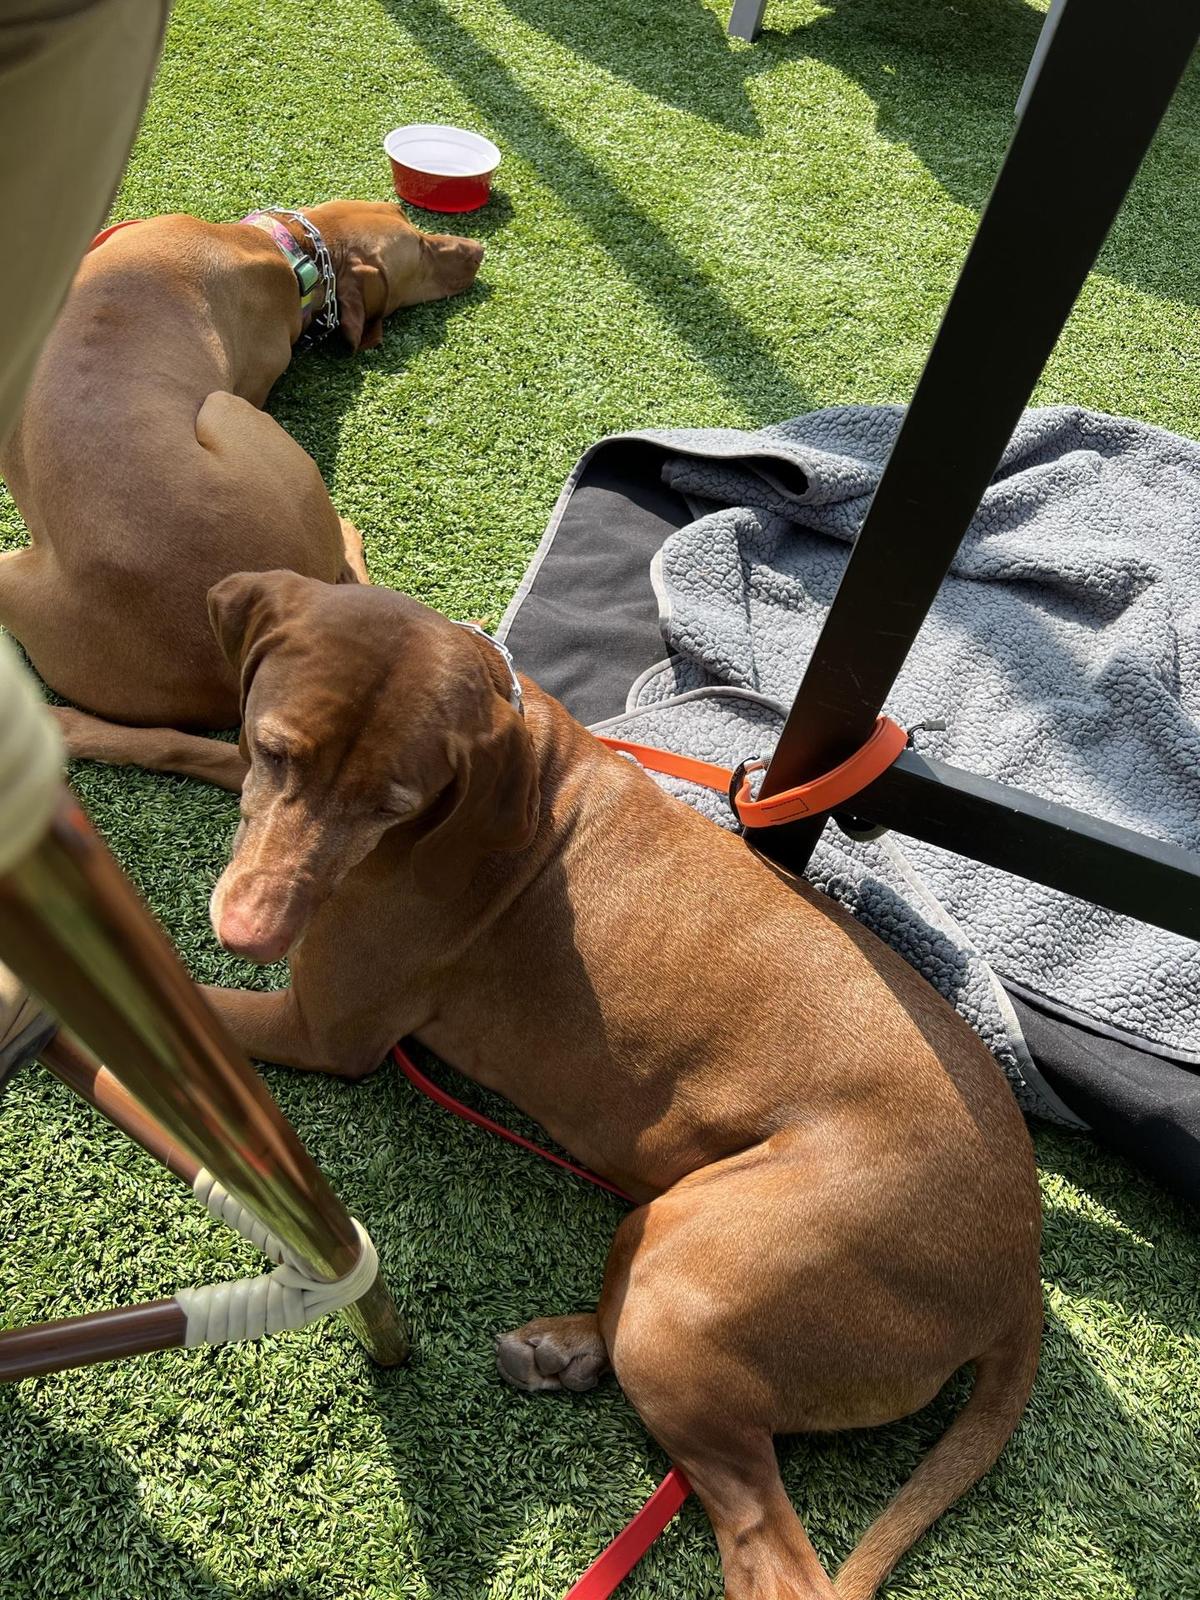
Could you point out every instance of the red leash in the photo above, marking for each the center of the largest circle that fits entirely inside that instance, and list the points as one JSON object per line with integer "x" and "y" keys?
{"x": 448, "y": 1103}
{"x": 627, "y": 1549}
{"x": 616, "y": 1563}
{"x": 112, "y": 228}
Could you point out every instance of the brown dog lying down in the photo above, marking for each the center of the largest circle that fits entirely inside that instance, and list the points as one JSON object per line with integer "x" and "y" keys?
{"x": 145, "y": 471}
{"x": 839, "y": 1205}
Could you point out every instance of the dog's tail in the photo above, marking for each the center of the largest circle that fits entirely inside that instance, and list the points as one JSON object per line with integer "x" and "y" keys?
{"x": 1003, "y": 1380}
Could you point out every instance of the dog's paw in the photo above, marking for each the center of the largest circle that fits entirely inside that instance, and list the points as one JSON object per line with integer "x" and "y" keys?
{"x": 553, "y": 1355}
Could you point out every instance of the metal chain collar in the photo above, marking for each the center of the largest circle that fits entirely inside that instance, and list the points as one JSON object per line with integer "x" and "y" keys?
{"x": 516, "y": 695}
{"x": 325, "y": 320}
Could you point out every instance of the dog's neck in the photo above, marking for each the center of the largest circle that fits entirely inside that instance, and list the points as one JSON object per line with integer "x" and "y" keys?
{"x": 577, "y": 778}
{"x": 306, "y": 252}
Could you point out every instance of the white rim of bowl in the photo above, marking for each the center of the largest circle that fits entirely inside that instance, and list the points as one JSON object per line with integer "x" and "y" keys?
{"x": 416, "y": 132}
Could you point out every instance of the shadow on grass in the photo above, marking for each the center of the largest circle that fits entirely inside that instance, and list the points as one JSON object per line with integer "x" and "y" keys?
{"x": 488, "y": 1476}
{"x": 313, "y": 397}
{"x": 680, "y": 54}
{"x": 318, "y": 390}
{"x": 944, "y": 76}
{"x": 682, "y": 294}
{"x": 71, "y": 1523}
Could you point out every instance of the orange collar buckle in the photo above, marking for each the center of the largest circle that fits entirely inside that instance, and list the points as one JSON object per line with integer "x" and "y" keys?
{"x": 820, "y": 795}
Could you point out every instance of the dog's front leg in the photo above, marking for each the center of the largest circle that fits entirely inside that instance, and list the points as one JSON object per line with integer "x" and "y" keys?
{"x": 89, "y": 738}
{"x": 270, "y": 1026}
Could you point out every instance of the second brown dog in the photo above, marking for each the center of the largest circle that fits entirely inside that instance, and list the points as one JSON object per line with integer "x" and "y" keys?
{"x": 838, "y": 1204}
{"x": 145, "y": 470}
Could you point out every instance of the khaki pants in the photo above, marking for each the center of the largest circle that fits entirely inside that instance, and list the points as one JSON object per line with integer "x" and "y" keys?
{"x": 74, "y": 78}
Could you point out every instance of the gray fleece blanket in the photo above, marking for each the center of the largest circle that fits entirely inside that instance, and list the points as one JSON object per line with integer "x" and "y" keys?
{"x": 1063, "y": 653}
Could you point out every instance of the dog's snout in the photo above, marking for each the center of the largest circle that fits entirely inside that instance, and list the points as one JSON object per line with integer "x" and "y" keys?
{"x": 458, "y": 261}
{"x": 244, "y": 932}
{"x": 254, "y": 917}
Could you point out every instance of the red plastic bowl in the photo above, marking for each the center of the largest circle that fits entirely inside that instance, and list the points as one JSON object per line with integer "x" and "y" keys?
{"x": 441, "y": 168}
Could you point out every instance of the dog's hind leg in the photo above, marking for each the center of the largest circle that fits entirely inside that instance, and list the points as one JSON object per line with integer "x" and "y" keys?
{"x": 691, "y": 1384}
{"x": 12, "y": 567}
{"x": 89, "y": 738}
{"x": 765, "y": 1552}
{"x": 551, "y": 1354}
{"x": 280, "y": 506}
{"x": 682, "y": 1343}
{"x": 27, "y": 608}
{"x": 740, "y": 1304}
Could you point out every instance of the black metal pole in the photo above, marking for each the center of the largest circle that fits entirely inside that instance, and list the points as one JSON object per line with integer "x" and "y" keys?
{"x": 1105, "y": 80}
{"x": 746, "y": 20}
{"x": 1053, "y": 844}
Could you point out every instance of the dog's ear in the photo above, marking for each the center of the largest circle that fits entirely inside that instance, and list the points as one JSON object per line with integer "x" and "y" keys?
{"x": 362, "y": 299}
{"x": 240, "y": 609}
{"x": 235, "y": 608}
{"x": 491, "y": 803}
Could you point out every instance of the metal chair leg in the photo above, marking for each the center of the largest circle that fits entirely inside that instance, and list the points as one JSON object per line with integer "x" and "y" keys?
{"x": 374, "y": 1317}
{"x": 73, "y": 928}
{"x": 747, "y": 19}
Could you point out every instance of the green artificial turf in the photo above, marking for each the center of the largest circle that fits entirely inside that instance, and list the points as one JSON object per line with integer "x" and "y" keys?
{"x": 686, "y": 231}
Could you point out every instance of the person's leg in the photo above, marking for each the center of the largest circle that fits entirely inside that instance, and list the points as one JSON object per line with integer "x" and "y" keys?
{"x": 98, "y": 58}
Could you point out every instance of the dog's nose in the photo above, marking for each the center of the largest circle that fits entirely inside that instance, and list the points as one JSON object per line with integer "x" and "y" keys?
{"x": 468, "y": 257}
{"x": 244, "y": 932}
{"x": 458, "y": 261}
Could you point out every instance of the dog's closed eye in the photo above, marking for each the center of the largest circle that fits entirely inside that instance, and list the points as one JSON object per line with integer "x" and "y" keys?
{"x": 270, "y": 756}
{"x": 400, "y": 802}
{"x": 276, "y": 746}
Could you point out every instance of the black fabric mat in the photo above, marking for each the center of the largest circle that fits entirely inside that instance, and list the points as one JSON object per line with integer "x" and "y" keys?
{"x": 587, "y": 627}
{"x": 1143, "y": 1106}
{"x": 589, "y": 624}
